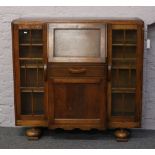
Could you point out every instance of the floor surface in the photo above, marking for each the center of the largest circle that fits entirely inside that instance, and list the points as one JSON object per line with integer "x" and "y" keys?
{"x": 59, "y": 139}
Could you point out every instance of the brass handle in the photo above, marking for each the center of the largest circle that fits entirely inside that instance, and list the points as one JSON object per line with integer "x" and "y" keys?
{"x": 77, "y": 71}
{"x": 109, "y": 72}
{"x": 45, "y": 72}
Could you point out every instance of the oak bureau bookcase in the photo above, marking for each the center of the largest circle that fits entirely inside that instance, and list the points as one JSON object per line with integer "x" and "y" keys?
{"x": 78, "y": 73}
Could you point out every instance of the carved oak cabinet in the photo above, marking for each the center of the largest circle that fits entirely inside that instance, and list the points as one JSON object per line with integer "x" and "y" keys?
{"x": 78, "y": 73}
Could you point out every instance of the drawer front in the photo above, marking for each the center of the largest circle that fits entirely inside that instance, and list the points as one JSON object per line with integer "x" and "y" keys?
{"x": 76, "y": 70}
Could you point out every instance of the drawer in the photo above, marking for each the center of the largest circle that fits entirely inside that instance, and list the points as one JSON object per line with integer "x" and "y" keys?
{"x": 73, "y": 70}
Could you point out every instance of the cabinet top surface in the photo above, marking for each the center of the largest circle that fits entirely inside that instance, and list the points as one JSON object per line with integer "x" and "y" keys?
{"x": 79, "y": 20}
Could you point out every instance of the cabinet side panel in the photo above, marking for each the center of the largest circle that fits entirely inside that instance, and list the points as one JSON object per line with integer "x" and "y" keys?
{"x": 16, "y": 70}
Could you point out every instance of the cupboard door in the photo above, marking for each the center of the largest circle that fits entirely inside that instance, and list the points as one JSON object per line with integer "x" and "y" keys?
{"x": 77, "y": 102}
{"x": 125, "y": 74}
{"x": 30, "y": 57}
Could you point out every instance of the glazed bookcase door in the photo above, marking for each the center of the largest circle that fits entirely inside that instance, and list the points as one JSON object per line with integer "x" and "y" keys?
{"x": 29, "y": 67}
{"x": 125, "y": 75}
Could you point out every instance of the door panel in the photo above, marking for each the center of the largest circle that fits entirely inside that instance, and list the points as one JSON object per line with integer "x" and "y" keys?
{"x": 30, "y": 55}
{"x": 124, "y": 70}
{"x": 79, "y": 99}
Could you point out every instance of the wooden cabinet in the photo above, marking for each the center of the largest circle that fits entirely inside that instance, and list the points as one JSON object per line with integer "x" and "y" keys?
{"x": 78, "y": 73}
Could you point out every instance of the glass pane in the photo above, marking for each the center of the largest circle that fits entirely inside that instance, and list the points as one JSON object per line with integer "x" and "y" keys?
{"x": 123, "y": 72}
{"x": 24, "y": 51}
{"x": 118, "y": 36}
{"x": 26, "y": 103}
{"x": 31, "y": 71}
{"x": 117, "y": 106}
{"x": 77, "y": 43}
{"x": 124, "y": 63}
{"x": 37, "y": 51}
{"x": 31, "y": 51}
{"x": 124, "y": 78}
{"x": 24, "y": 36}
{"x": 29, "y": 62}
{"x": 37, "y": 36}
{"x": 23, "y": 79}
{"x": 38, "y": 103}
{"x": 133, "y": 78}
{"x": 131, "y": 36}
{"x": 123, "y": 104}
{"x": 130, "y": 52}
{"x": 40, "y": 79}
{"x": 117, "y": 51}
{"x": 32, "y": 103}
{"x": 130, "y": 100}
{"x": 121, "y": 78}
{"x": 124, "y": 51}
{"x": 31, "y": 77}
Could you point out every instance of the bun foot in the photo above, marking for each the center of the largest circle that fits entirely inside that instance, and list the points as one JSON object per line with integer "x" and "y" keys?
{"x": 121, "y": 135}
{"x": 33, "y": 133}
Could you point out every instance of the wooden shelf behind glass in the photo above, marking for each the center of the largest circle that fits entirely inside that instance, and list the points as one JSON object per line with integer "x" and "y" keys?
{"x": 124, "y": 44}
{"x": 28, "y": 44}
{"x": 123, "y": 90}
{"x": 31, "y": 66}
{"x": 32, "y": 89}
{"x": 22, "y": 58}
